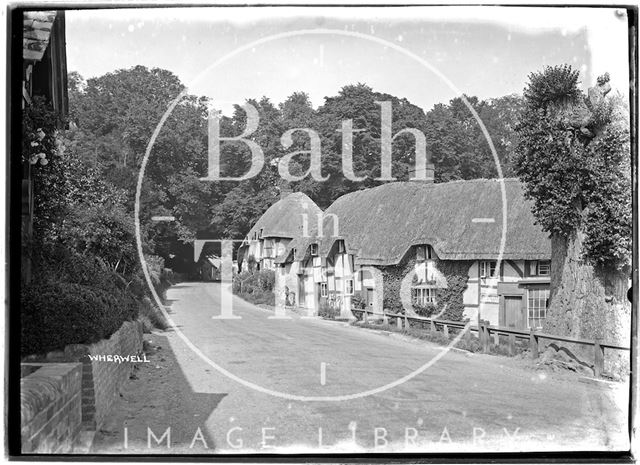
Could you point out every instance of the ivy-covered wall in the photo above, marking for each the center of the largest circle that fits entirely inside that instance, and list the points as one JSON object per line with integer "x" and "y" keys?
{"x": 456, "y": 274}
{"x": 392, "y": 277}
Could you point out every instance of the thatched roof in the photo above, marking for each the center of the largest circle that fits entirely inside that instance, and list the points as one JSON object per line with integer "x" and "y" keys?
{"x": 380, "y": 224}
{"x": 36, "y": 31}
{"x": 284, "y": 218}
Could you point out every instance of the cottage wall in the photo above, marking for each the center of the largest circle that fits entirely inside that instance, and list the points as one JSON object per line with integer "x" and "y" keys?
{"x": 373, "y": 279}
{"x": 287, "y": 277}
{"x": 471, "y": 296}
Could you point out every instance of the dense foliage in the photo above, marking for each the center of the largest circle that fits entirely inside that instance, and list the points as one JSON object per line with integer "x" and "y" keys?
{"x": 82, "y": 243}
{"x": 116, "y": 114}
{"x": 449, "y": 298}
{"x": 60, "y": 313}
{"x": 255, "y": 286}
{"x": 573, "y": 156}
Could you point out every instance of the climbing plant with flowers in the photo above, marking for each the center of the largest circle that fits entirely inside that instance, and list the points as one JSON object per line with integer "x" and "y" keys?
{"x": 38, "y": 133}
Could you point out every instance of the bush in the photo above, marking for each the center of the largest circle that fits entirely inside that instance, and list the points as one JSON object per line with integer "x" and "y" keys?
{"x": 57, "y": 314}
{"x": 57, "y": 264}
{"x": 425, "y": 310}
{"x": 256, "y": 286}
{"x": 150, "y": 311}
{"x": 357, "y": 301}
{"x": 472, "y": 345}
{"x": 327, "y": 310}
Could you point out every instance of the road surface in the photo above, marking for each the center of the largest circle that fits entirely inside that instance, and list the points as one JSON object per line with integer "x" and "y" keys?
{"x": 460, "y": 402}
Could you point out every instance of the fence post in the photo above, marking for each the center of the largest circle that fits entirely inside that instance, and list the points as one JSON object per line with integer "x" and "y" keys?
{"x": 487, "y": 338}
{"x": 366, "y": 316}
{"x": 445, "y": 329}
{"x": 432, "y": 325}
{"x": 385, "y": 318}
{"x": 598, "y": 366}
{"x": 512, "y": 344}
{"x": 399, "y": 322}
{"x": 406, "y": 322}
{"x": 496, "y": 338}
{"x": 533, "y": 344}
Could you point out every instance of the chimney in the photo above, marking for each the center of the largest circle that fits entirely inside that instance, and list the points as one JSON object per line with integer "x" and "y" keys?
{"x": 425, "y": 175}
{"x": 285, "y": 189}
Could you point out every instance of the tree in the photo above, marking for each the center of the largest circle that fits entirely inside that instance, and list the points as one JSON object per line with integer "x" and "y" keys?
{"x": 573, "y": 156}
{"x": 459, "y": 147}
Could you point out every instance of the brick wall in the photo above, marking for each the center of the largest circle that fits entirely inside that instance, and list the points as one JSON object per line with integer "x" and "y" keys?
{"x": 101, "y": 380}
{"x": 50, "y": 403}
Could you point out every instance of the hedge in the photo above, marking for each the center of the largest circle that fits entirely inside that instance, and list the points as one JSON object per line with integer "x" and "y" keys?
{"x": 57, "y": 314}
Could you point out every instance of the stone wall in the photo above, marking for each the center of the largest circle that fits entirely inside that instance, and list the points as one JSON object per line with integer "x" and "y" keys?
{"x": 51, "y": 406}
{"x": 101, "y": 380}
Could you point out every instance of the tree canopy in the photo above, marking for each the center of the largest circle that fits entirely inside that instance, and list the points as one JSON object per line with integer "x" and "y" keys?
{"x": 115, "y": 115}
{"x": 573, "y": 156}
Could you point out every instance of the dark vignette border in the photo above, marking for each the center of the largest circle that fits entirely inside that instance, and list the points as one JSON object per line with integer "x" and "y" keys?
{"x": 13, "y": 264}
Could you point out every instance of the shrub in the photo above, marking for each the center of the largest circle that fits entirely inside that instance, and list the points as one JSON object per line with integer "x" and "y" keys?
{"x": 147, "y": 326}
{"x": 57, "y": 263}
{"x": 153, "y": 314}
{"x": 327, "y": 310}
{"x": 249, "y": 282}
{"x": 256, "y": 286}
{"x": 57, "y": 314}
{"x": 357, "y": 301}
{"x": 425, "y": 310}
{"x": 472, "y": 345}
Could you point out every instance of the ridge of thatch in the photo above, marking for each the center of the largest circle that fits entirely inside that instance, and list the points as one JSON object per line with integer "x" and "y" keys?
{"x": 284, "y": 218}
{"x": 380, "y": 224}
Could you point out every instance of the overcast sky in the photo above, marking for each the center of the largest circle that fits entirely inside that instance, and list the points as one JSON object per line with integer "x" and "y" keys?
{"x": 483, "y": 51}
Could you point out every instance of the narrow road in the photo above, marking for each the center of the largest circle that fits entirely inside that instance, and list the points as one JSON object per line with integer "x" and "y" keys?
{"x": 462, "y": 402}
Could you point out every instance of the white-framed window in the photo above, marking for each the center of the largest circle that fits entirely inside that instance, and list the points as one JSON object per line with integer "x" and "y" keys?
{"x": 323, "y": 290}
{"x": 260, "y": 233}
{"x": 313, "y": 250}
{"x": 423, "y": 296}
{"x": 544, "y": 268}
{"x": 424, "y": 252}
{"x": 487, "y": 269}
{"x": 348, "y": 287}
{"x": 537, "y": 304}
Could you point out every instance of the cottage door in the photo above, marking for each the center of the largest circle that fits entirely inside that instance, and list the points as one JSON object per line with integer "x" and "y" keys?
{"x": 514, "y": 316}
{"x": 369, "y": 298}
{"x": 301, "y": 292}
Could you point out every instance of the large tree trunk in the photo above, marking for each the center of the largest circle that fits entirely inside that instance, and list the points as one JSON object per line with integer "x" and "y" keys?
{"x": 588, "y": 303}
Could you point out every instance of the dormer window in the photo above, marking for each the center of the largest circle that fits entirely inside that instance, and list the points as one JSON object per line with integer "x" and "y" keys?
{"x": 423, "y": 253}
{"x": 313, "y": 250}
{"x": 260, "y": 234}
{"x": 341, "y": 248}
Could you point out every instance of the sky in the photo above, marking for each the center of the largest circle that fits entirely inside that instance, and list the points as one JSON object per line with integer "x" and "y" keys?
{"x": 428, "y": 55}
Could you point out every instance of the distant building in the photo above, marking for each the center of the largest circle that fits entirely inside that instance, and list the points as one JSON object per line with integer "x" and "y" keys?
{"x": 290, "y": 217}
{"x": 209, "y": 268}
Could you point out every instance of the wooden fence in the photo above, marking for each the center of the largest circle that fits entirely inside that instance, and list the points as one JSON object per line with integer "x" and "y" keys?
{"x": 485, "y": 332}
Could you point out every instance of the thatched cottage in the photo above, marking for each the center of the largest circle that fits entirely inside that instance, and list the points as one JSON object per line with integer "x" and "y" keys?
{"x": 282, "y": 222}
{"x": 426, "y": 245}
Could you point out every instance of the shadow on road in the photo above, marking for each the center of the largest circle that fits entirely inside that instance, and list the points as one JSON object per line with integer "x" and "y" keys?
{"x": 158, "y": 408}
